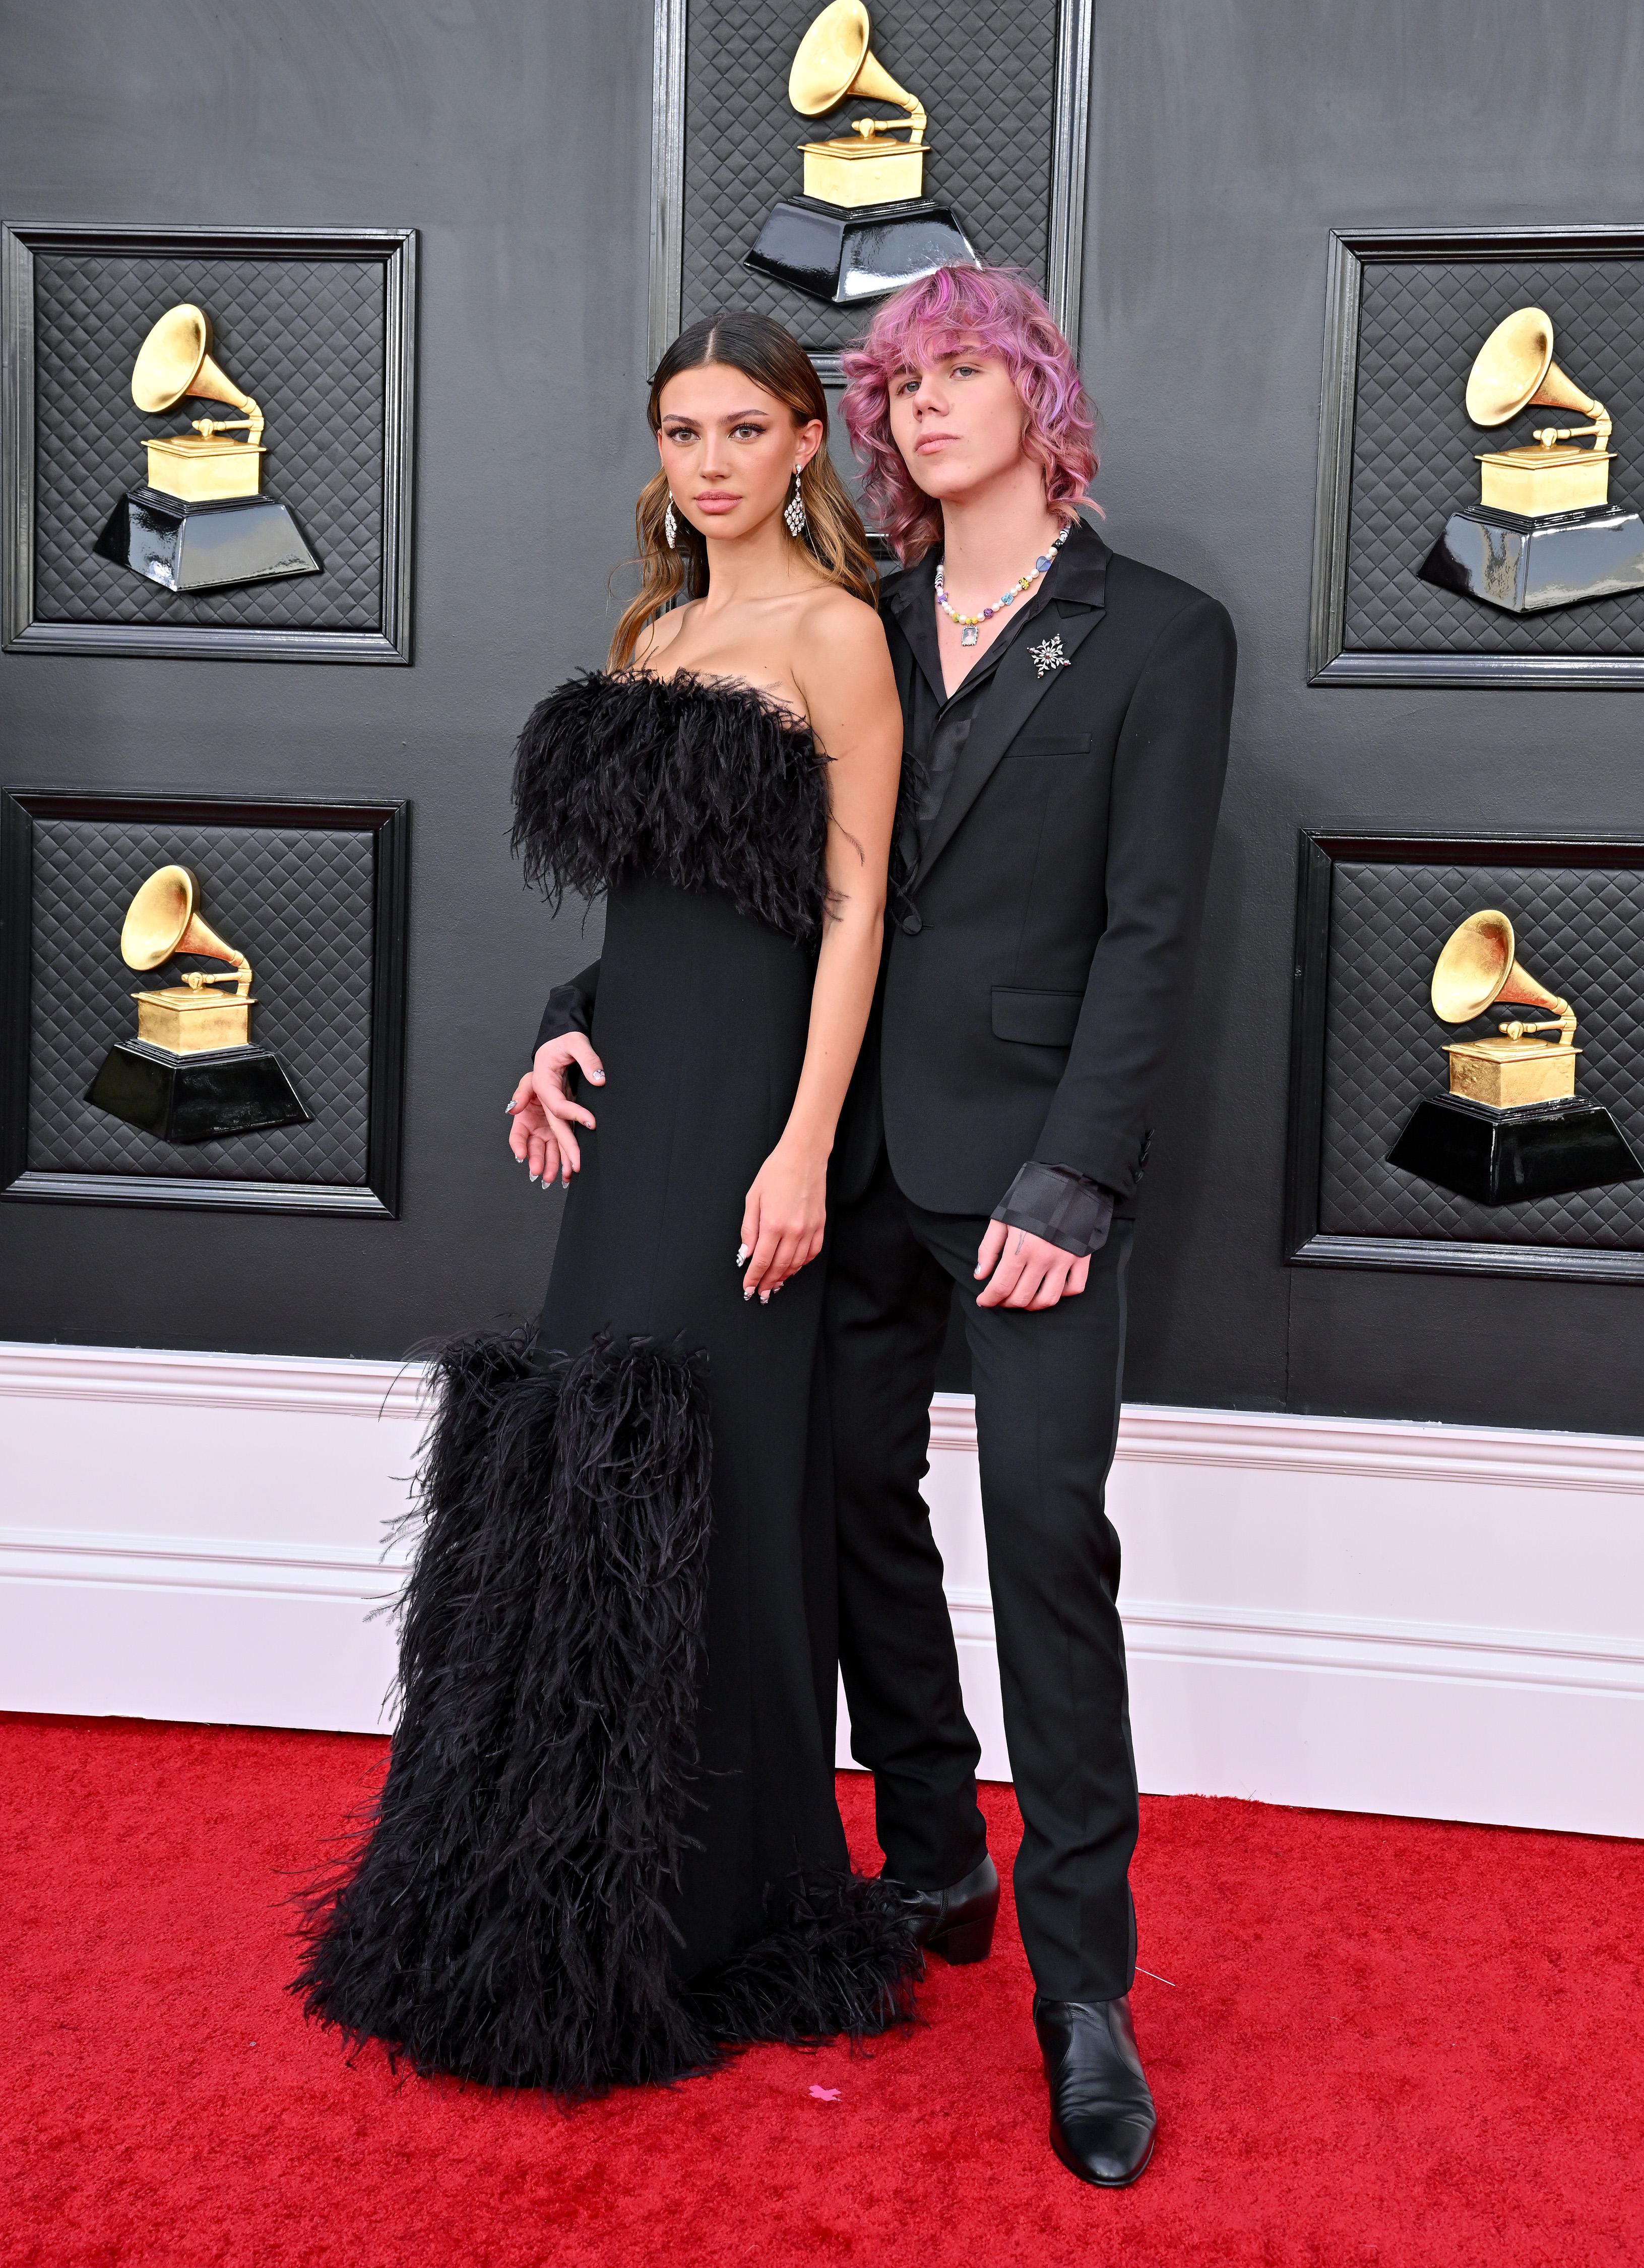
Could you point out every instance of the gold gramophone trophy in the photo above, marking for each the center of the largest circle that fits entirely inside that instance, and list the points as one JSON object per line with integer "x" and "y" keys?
{"x": 863, "y": 226}
{"x": 192, "y": 1074}
{"x": 1510, "y": 1128}
{"x": 1544, "y": 532}
{"x": 200, "y": 522}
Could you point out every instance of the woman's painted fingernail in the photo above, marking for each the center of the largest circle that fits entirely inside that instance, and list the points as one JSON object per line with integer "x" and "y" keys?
{"x": 534, "y": 1181}
{"x": 598, "y": 1077}
{"x": 741, "y": 1254}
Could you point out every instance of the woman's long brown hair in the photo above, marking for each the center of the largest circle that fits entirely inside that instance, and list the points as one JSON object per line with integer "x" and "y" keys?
{"x": 834, "y": 535}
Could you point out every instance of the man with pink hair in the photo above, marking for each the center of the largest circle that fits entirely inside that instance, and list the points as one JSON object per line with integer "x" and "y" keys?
{"x": 1066, "y": 714}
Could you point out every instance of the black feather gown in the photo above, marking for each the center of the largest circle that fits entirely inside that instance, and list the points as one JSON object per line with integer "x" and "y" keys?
{"x": 607, "y": 1848}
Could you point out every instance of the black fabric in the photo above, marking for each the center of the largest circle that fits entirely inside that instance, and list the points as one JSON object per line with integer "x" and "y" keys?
{"x": 710, "y": 785}
{"x": 1047, "y": 1388}
{"x": 646, "y": 1621}
{"x": 1058, "y": 1204}
{"x": 700, "y": 1022}
{"x": 505, "y": 1918}
{"x": 569, "y": 1006}
{"x": 936, "y": 728}
{"x": 1069, "y": 855}
{"x": 1024, "y": 1008}
{"x": 936, "y": 724}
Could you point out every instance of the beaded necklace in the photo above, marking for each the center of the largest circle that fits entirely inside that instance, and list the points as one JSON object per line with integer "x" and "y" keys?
{"x": 969, "y": 625}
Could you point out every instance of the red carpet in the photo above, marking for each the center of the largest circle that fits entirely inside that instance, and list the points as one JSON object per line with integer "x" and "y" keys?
{"x": 1388, "y": 2041}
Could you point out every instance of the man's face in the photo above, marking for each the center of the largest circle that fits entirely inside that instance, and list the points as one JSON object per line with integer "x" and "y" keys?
{"x": 958, "y": 422}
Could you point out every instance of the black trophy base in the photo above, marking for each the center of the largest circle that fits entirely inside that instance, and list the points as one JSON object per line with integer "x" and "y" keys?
{"x": 1524, "y": 565}
{"x": 848, "y": 255}
{"x": 200, "y": 1098}
{"x": 1508, "y": 1157}
{"x": 203, "y": 547}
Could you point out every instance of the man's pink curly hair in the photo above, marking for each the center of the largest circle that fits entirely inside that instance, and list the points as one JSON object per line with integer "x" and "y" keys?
{"x": 995, "y": 310}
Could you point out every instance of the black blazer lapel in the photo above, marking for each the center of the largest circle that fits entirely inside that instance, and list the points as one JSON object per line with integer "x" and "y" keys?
{"x": 1015, "y": 693}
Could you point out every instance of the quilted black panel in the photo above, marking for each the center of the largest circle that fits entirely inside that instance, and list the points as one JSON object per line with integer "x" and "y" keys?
{"x": 1419, "y": 327}
{"x": 1580, "y": 931}
{"x": 297, "y": 902}
{"x": 985, "y": 75}
{"x": 304, "y": 338}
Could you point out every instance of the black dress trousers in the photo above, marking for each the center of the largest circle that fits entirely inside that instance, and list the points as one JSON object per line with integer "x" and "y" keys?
{"x": 1047, "y": 1389}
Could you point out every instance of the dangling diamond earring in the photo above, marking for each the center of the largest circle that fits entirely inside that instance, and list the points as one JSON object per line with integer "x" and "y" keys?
{"x": 793, "y": 512}
{"x": 670, "y": 526}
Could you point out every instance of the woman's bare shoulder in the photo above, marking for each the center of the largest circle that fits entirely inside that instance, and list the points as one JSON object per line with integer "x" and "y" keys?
{"x": 660, "y": 633}
{"x": 845, "y": 625}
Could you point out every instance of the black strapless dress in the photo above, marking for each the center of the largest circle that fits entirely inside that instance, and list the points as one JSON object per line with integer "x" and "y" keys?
{"x": 607, "y": 1846}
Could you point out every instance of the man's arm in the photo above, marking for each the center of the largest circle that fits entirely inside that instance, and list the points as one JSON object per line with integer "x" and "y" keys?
{"x": 543, "y": 1111}
{"x": 1168, "y": 772}
{"x": 1067, "y": 1209}
{"x": 1037, "y": 1247}
{"x": 570, "y": 1007}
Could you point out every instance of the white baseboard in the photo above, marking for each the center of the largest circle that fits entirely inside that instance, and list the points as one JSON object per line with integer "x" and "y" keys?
{"x": 1355, "y": 1614}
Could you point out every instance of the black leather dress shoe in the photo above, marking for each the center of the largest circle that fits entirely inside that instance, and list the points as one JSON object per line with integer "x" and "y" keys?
{"x": 958, "y": 1922}
{"x": 1102, "y": 2109}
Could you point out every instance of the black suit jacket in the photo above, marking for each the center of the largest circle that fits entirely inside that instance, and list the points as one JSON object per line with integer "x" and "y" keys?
{"x": 1037, "y": 968}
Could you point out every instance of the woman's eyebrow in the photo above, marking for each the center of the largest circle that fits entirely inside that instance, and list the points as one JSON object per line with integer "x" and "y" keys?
{"x": 731, "y": 417}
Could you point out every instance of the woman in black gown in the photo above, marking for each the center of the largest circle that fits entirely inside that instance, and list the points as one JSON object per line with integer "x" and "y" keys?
{"x": 607, "y": 1846}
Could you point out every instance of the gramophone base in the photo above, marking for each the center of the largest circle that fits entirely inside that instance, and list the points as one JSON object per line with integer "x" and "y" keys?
{"x": 846, "y": 255}
{"x": 204, "y": 546}
{"x": 202, "y": 1098}
{"x": 1508, "y": 1157}
{"x": 1524, "y": 565}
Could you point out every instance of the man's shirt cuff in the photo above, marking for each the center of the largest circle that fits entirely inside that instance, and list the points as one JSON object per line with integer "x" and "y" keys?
{"x": 1063, "y": 1207}
{"x": 567, "y": 1011}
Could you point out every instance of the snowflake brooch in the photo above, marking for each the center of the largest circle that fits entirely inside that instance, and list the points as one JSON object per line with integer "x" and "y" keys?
{"x": 1048, "y": 656}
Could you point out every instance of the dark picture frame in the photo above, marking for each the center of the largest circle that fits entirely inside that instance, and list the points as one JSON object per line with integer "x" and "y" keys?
{"x": 1329, "y": 663}
{"x": 388, "y": 826}
{"x": 1305, "y": 1244}
{"x": 21, "y": 245}
{"x": 1067, "y": 186}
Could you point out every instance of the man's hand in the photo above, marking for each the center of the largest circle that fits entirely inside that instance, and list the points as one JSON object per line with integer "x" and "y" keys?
{"x": 542, "y": 1135}
{"x": 1027, "y": 1270}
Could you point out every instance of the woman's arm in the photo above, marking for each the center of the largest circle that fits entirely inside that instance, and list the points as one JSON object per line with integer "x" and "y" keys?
{"x": 843, "y": 669}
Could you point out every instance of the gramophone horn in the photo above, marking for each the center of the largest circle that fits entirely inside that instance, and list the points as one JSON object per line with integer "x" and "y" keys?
{"x": 833, "y": 63}
{"x": 175, "y": 360}
{"x": 161, "y": 920}
{"x": 1514, "y": 367}
{"x": 1477, "y": 967}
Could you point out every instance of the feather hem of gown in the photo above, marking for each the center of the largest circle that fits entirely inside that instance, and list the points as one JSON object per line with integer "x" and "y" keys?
{"x": 503, "y": 1916}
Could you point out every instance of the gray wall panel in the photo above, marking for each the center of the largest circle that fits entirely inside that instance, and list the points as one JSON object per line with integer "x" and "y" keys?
{"x": 1227, "y": 140}
{"x": 516, "y": 139}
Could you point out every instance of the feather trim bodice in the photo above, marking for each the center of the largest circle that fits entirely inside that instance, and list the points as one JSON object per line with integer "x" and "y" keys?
{"x": 701, "y": 783}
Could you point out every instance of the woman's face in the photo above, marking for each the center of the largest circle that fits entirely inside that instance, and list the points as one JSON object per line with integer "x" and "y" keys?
{"x": 958, "y": 422}
{"x": 729, "y": 448}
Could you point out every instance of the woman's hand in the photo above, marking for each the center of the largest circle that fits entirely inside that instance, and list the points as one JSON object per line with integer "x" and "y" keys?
{"x": 542, "y": 1134}
{"x": 784, "y": 1217}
